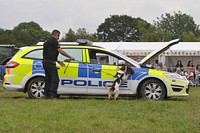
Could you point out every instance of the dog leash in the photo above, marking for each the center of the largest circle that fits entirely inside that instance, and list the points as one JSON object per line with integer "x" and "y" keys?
{"x": 89, "y": 66}
{"x": 94, "y": 68}
{"x": 67, "y": 66}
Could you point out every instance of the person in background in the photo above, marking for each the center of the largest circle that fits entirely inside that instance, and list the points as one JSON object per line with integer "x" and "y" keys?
{"x": 154, "y": 64}
{"x": 190, "y": 65}
{"x": 190, "y": 76}
{"x": 189, "y": 73}
{"x": 179, "y": 67}
{"x": 161, "y": 66}
{"x": 197, "y": 73}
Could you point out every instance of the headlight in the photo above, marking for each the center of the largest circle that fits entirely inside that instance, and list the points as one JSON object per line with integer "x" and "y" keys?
{"x": 175, "y": 76}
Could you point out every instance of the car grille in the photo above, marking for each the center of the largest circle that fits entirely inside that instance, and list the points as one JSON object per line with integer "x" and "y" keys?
{"x": 177, "y": 88}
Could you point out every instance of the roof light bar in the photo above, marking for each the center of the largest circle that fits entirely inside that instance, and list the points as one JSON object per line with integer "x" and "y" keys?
{"x": 84, "y": 42}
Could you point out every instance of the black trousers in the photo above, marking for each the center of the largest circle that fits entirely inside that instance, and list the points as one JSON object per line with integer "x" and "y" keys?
{"x": 51, "y": 78}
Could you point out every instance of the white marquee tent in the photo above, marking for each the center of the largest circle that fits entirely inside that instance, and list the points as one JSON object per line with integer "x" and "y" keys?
{"x": 183, "y": 51}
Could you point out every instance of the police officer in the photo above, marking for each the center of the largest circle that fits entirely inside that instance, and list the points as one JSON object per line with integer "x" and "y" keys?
{"x": 51, "y": 49}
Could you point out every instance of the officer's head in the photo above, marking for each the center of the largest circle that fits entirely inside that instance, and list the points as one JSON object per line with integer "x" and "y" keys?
{"x": 55, "y": 34}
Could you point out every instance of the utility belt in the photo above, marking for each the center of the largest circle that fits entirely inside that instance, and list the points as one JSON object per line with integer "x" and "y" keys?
{"x": 49, "y": 61}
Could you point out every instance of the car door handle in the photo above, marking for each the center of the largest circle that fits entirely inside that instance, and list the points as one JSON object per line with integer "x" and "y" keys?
{"x": 96, "y": 70}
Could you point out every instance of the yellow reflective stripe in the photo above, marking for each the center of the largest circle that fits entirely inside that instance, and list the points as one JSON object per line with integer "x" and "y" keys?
{"x": 108, "y": 71}
{"x": 158, "y": 73}
{"x": 71, "y": 70}
{"x": 84, "y": 55}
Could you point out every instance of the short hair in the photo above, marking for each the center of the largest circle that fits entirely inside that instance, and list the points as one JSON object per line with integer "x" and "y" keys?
{"x": 54, "y": 32}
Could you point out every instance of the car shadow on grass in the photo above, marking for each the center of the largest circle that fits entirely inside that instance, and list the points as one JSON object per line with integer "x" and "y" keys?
{"x": 75, "y": 97}
{"x": 95, "y": 98}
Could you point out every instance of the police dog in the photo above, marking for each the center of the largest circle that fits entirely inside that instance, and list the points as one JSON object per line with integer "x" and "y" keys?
{"x": 119, "y": 77}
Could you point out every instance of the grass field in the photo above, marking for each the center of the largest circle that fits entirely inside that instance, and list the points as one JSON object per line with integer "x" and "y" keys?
{"x": 19, "y": 114}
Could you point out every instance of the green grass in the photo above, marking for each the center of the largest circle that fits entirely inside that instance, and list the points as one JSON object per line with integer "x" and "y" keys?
{"x": 19, "y": 114}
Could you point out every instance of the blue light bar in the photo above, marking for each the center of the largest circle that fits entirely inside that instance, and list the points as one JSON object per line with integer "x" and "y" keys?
{"x": 84, "y": 42}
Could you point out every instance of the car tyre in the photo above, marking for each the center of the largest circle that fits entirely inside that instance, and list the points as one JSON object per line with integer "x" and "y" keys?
{"x": 36, "y": 88}
{"x": 153, "y": 89}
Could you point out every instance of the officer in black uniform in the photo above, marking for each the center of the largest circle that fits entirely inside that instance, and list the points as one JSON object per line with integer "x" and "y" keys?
{"x": 51, "y": 49}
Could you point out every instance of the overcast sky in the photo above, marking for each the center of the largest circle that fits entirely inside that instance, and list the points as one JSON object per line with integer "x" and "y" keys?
{"x": 89, "y": 14}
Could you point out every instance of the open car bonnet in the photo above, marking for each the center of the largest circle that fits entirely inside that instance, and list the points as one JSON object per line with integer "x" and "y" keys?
{"x": 155, "y": 53}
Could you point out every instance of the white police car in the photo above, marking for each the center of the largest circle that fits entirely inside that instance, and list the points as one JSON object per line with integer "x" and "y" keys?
{"x": 94, "y": 66}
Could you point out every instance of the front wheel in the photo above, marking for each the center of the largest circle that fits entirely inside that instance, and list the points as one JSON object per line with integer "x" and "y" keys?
{"x": 153, "y": 89}
{"x": 36, "y": 88}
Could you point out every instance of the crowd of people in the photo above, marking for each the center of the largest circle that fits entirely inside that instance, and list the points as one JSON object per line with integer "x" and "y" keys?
{"x": 191, "y": 72}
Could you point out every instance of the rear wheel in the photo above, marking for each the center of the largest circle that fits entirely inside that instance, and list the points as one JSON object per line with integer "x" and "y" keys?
{"x": 153, "y": 89}
{"x": 36, "y": 88}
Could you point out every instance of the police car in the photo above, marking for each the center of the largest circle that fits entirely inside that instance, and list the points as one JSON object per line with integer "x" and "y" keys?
{"x": 93, "y": 68}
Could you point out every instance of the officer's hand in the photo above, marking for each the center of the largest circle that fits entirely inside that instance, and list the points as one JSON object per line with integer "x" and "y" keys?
{"x": 62, "y": 63}
{"x": 72, "y": 58}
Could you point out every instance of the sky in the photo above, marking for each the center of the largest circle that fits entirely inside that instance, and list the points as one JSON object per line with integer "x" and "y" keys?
{"x": 89, "y": 14}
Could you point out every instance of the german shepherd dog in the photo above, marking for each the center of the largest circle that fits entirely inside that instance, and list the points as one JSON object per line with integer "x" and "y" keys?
{"x": 119, "y": 77}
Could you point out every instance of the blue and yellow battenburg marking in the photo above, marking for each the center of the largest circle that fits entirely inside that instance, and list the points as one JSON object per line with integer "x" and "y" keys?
{"x": 81, "y": 71}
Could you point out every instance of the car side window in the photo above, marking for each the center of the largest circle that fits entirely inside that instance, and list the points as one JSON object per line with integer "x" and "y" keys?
{"x": 103, "y": 58}
{"x": 76, "y": 53}
{"x": 35, "y": 54}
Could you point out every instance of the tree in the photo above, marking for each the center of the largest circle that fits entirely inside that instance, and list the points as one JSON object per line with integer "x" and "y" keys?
{"x": 81, "y": 33}
{"x": 149, "y": 33}
{"x": 178, "y": 25}
{"x": 29, "y": 33}
{"x": 69, "y": 36}
{"x": 7, "y": 37}
{"x": 189, "y": 37}
{"x": 118, "y": 28}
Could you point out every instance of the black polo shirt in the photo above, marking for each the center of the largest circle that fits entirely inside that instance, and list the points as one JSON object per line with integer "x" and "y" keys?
{"x": 50, "y": 49}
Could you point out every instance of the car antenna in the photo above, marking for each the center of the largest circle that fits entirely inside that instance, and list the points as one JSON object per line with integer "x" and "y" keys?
{"x": 118, "y": 46}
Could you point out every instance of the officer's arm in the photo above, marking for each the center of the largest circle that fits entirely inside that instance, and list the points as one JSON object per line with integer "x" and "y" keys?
{"x": 65, "y": 54}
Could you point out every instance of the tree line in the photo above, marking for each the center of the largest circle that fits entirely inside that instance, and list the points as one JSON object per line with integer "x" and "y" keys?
{"x": 114, "y": 29}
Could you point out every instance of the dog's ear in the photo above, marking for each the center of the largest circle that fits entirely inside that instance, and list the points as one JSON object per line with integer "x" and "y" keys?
{"x": 128, "y": 65}
{"x": 130, "y": 71}
{"x": 123, "y": 67}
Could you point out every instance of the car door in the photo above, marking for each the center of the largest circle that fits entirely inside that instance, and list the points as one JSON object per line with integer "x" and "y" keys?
{"x": 102, "y": 68}
{"x": 73, "y": 77}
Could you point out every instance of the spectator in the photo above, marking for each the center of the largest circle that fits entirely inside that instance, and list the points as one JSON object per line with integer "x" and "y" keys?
{"x": 190, "y": 65}
{"x": 198, "y": 64}
{"x": 190, "y": 76}
{"x": 179, "y": 67}
{"x": 154, "y": 64}
{"x": 197, "y": 73}
{"x": 161, "y": 66}
{"x": 189, "y": 73}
